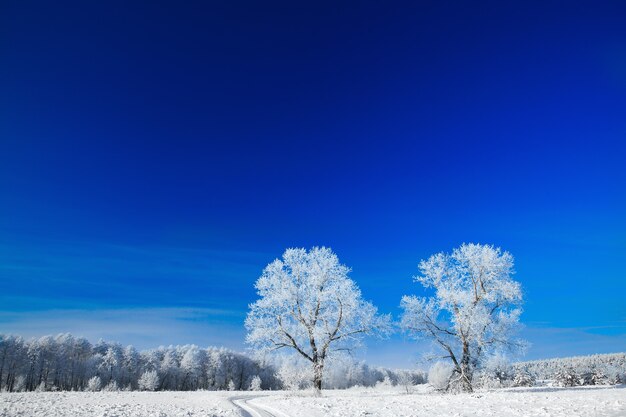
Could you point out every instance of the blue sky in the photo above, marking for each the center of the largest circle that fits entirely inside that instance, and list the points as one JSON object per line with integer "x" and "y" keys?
{"x": 155, "y": 157}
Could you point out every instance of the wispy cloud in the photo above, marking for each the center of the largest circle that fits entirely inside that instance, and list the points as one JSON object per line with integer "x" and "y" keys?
{"x": 75, "y": 274}
{"x": 142, "y": 327}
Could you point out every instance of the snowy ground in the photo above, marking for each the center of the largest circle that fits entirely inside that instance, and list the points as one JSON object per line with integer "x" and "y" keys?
{"x": 515, "y": 402}
{"x": 580, "y": 401}
{"x": 117, "y": 404}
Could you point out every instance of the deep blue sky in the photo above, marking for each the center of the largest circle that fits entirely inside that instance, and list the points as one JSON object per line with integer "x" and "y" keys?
{"x": 154, "y": 157}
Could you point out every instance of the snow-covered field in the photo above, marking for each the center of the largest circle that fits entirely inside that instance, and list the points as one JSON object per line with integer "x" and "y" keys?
{"x": 118, "y": 404}
{"x": 580, "y": 401}
{"x": 570, "y": 402}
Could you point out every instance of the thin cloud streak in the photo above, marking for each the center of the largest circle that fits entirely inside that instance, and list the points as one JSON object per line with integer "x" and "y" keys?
{"x": 143, "y": 328}
{"x": 152, "y": 327}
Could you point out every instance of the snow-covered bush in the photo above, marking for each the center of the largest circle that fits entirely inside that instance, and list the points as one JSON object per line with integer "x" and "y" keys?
{"x": 615, "y": 376}
{"x": 111, "y": 386}
{"x": 255, "y": 384}
{"x": 523, "y": 378}
{"x": 439, "y": 375}
{"x": 231, "y": 386}
{"x": 149, "y": 381}
{"x": 496, "y": 373}
{"x": 406, "y": 380}
{"x": 294, "y": 376}
{"x": 94, "y": 383}
{"x": 599, "y": 378}
{"x": 567, "y": 377}
{"x": 385, "y": 383}
{"x": 20, "y": 384}
{"x": 487, "y": 381}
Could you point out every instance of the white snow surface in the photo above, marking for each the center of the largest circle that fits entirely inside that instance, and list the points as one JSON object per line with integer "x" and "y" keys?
{"x": 513, "y": 402}
{"x": 376, "y": 402}
{"x": 118, "y": 404}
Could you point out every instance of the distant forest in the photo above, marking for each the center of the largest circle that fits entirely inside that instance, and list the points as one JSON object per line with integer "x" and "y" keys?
{"x": 69, "y": 363}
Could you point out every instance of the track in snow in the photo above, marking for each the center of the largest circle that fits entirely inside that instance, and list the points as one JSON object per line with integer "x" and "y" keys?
{"x": 254, "y": 410}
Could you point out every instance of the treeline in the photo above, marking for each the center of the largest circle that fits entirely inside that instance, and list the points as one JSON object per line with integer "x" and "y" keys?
{"x": 612, "y": 365}
{"x": 69, "y": 363}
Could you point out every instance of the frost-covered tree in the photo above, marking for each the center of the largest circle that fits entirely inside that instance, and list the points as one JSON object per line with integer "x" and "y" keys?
{"x": 309, "y": 304}
{"x": 523, "y": 378}
{"x": 474, "y": 311}
{"x": 255, "y": 384}
{"x": 293, "y": 376}
{"x": 111, "y": 386}
{"x": 94, "y": 383}
{"x": 130, "y": 366}
{"x": 191, "y": 366}
{"x": 149, "y": 381}
{"x": 109, "y": 363}
{"x": 406, "y": 380}
{"x": 567, "y": 377}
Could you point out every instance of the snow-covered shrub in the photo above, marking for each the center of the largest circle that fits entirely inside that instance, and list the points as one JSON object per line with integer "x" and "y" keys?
{"x": 566, "y": 377}
{"x": 149, "y": 381}
{"x": 599, "y": 378}
{"x": 111, "y": 386}
{"x": 385, "y": 383}
{"x": 94, "y": 383}
{"x": 405, "y": 379}
{"x": 488, "y": 381}
{"x": 496, "y": 373}
{"x": 255, "y": 384}
{"x": 616, "y": 378}
{"x": 293, "y": 376}
{"x": 20, "y": 384}
{"x": 439, "y": 375}
{"x": 231, "y": 386}
{"x": 523, "y": 378}
{"x": 41, "y": 387}
{"x": 586, "y": 379}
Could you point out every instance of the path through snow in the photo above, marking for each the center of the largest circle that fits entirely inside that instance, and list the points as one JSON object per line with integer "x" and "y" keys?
{"x": 251, "y": 409}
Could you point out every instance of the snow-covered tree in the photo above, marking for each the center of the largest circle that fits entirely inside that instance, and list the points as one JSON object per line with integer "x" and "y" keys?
{"x": 567, "y": 377}
{"x": 149, "y": 381}
{"x": 475, "y": 309}
{"x": 523, "y": 378}
{"x": 94, "y": 383}
{"x": 255, "y": 384}
{"x": 111, "y": 386}
{"x": 309, "y": 304}
{"x": 109, "y": 363}
{"x": 496, "y": 372}
{"x": 191, "y": 366}
{"x": 169, "y": 370}
{"x": 405, "y": 379}
{"x": 293, "y": 375}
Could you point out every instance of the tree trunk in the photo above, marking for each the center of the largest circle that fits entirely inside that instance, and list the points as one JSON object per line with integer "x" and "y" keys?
{"x": 466, "y": 371}
{"x": 318, "y": 368}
